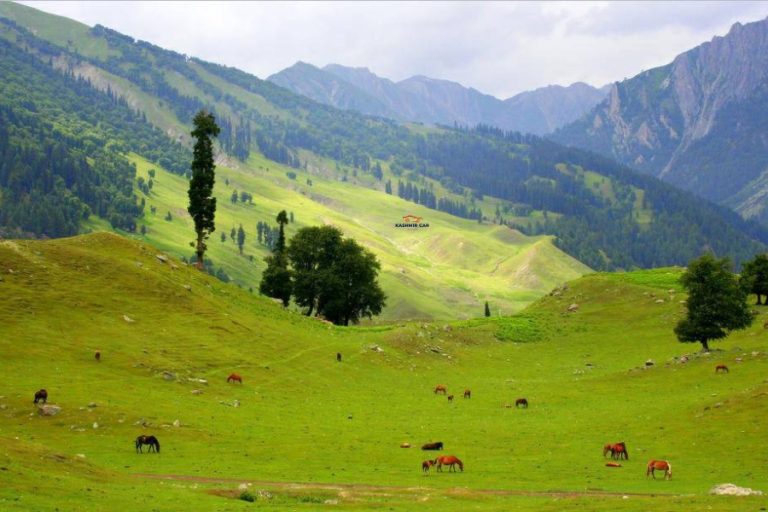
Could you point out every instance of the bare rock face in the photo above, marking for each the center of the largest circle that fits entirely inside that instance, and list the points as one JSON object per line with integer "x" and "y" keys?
{"x": 48, "y": 410}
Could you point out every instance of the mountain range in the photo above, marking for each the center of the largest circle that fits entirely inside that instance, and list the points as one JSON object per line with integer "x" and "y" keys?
{"x": 432, "y": 101}
{"x": 699, "y": 122}
{"x": 94, "y": 136}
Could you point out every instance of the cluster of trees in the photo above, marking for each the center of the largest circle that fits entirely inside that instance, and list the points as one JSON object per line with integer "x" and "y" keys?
{"x": 242, "y": 196}
{"x": 235, "y": 139}
{"x": 324, "y": 273}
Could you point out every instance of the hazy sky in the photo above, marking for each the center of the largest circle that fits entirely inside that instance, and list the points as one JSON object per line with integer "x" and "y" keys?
{"x": 500, "y": 48}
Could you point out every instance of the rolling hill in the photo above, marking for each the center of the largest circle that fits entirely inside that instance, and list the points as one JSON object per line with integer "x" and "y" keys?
{"x": 307, "y": 432}
{"x": 117, "y": 111}
{"x": 698, "y": 122}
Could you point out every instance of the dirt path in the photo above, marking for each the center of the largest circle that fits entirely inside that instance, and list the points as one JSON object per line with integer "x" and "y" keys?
{"x": 392, "y": 488}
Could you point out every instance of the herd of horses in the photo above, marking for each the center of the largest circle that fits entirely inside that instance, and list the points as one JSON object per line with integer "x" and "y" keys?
{"x": 618, "y": 450}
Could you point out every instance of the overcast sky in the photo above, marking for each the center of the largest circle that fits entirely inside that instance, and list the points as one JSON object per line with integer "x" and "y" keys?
{"x": 499, "y": 48}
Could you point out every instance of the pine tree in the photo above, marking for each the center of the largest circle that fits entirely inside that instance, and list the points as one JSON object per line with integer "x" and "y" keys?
{"x": 202, "y": 204}
{"x": 487, "y": 309}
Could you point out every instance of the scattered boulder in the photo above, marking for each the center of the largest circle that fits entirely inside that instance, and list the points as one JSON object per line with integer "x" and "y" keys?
{"x": 188, "y": 287}
{"x": 573, "y": 308}
{"x": 95, "y": 425}
{"x": 405, "y": 445}
{"x": 93, "y": 404}
{"x": 162, "y": 258}
{"x": 49, "y": 410}
{"x": 734, "y": 490}
{"x": 176, "y": 423}
{"x": 197, "y": 391}
{"x": 649, "y": 363}
{"x": 169, "y": 376}
{"x": 128, "y": 319}
{"x": 659, "y": 301}
{"x": 377, "y": 348}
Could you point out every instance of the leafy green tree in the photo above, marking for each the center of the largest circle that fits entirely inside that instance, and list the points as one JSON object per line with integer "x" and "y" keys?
{"x": 240, "y": 238}
{"x": 202, "y": 204}
{"x": 223, "y": 237}
{"x": 716, "y": 303}
{"x": 276, "y": 279}
{"x": 487, "y": 309}
{"x": 234, "y": 196}
{"x": 349, "y": 290}
{"x": 754, "y": 276}
{"x": 311, "y": 252}
{"x": 233, "y": 234}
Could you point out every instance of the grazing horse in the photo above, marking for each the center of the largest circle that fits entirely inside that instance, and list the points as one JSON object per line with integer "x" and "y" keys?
{"x": 618, "y": 450}
{"x": 521, "y": 402}
{"x": 467, "y": 393}
{"x": 97, "y": 355}
{"x": 233, "y": 377}
{"x": 450, "y": 398}
{"x": 426, "y": 465}
{"x": 661, "y": 465}
{"x": 450, "y": 461}
{"x": 440, "y": 389}
{"x": 721, "y": 368}
{"x": 41, "y": 396}
{"x": 338, "y": 357}
{"x": 438, "y": 445}
{"x": 149, "y": 440}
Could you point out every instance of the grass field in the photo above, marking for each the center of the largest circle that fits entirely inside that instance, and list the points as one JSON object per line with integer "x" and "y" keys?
{"x": 310, "y": 433}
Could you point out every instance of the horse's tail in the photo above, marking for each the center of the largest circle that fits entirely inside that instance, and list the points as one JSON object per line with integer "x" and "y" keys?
{"x": 157, "y": 445}
{"x": 669, "y": 470}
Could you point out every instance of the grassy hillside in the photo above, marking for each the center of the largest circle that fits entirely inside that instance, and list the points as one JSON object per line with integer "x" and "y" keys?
{"x": 445, "y": 271}
{"x": 333, "y": 428}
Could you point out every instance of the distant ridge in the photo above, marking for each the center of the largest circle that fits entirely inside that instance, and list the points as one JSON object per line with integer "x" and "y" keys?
{"x": 434, "y": 101}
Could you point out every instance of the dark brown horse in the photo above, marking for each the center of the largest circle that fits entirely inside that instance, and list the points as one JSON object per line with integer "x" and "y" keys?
{"x": 450, "y": 461}
{"x": 338, "y": 357}
{"x": 450, "y": 398}
{"x": 97, "y": 355}
{"x": 437, "y": 445}
{"x": 467, "y": 393}
{"x": 440, "y": 389}
{"x": 521, "y": 402}
{"x": 426, "y": 465}
{"x": 661, "y": 465}
{"x": 233, "y": 377}
{"x": 148, "y": 440}
{"x": 721, "y": 368}
{"x": 41, "y": 396}
{"x": 618, "y": 450}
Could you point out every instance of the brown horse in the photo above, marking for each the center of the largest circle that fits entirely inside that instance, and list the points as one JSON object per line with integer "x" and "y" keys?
{"x": 437, "y": 445}
{"x": 338, "y": 357}
{"x": 233, "y": 377}
{"x": 426, "y": 465}
{"x": 721, "y": 368}
{"x": 450, "y": 461}
{"x": 617, "y": 450}
{"x": 467, "y": 393}
{"x": 41, "y": 396}
{"x": 450, "y": 398}
{"x": 97, "y": 355}
{"x": 148, "y": 440}
{"x": 661, "y": 465}
{"x": 440, "y": 389}
{"x": 521, "y": 402}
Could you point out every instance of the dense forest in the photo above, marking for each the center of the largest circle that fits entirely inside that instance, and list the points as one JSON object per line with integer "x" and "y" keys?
{"x": 604, "y": 232}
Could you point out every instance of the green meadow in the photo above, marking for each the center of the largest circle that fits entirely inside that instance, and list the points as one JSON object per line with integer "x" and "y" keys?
{"x": 304, "y": 432}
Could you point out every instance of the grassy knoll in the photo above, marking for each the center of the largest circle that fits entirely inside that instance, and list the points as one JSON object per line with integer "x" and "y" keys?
{"x": 445, "y": 271}
{"x": 334, "y": 429}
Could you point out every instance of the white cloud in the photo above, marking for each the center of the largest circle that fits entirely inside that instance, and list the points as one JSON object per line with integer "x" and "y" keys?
{"x": 497, "y": 47}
